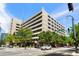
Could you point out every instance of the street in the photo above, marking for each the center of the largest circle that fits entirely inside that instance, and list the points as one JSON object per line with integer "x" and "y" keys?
{"x": 37, "y": 52}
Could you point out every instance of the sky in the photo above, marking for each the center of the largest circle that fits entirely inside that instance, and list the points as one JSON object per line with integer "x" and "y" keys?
{"x": 23, "y": 11}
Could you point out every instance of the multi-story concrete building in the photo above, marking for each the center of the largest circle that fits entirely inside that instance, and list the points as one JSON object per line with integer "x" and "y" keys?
{"x": 42, "y": 21}
{"x": 15, "y": 25}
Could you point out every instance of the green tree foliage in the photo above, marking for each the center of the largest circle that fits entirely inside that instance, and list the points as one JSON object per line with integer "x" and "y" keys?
{"x": 24, "y": 34}
{"x": 51, "y": 37}
{"x": 9, "y": 38}
{"x": 77, "y": 32}
{"x": 58, "y": 39}
{"x": 69, "y": 41}
{"x": 45, "y": 37}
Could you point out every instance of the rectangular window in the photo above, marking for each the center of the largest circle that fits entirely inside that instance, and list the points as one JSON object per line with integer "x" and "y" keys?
{"x": 48, "y": 19}
{"x": 37, "y": 30}
{"x": 49, "y": 27}
{"x": 49, "y": 23}
{"x": 37, "y": 26}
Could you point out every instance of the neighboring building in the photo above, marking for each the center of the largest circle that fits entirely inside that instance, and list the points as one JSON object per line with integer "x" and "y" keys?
{"x": 15, "y": 25}
{"x": 42, "y": 21}
{"x": 3, "y": 35}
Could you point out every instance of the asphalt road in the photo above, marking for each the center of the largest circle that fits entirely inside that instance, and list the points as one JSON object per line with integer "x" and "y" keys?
{"x": 36, "y": 52}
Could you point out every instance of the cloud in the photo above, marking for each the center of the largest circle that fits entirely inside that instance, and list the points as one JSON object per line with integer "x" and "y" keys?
{"x": 4, "y": 18}
{"x": 60, "y": 14}
{"x": 63, "y": 12}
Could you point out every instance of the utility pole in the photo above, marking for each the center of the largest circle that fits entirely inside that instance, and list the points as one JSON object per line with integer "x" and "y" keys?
{"x": 70, "y": 7}
{"x": 0, "y": 30}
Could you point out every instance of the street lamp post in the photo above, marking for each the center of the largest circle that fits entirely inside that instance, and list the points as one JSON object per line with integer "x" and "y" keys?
{"x": 74, "y": 33}
{"x": 0, "y": 34}
{"x": 70, "y": 7}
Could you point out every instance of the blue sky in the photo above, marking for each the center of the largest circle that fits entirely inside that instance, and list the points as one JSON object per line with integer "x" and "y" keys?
{"x": 59, "y": 10}
{"x": 23, "y": 11}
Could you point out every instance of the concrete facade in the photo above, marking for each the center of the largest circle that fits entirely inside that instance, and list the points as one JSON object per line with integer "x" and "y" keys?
{"x": 42, "y": 21}
{"x": 15, "y": 25}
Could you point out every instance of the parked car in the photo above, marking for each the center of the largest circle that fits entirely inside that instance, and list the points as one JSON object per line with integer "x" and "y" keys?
{"x": 46, "y": 47}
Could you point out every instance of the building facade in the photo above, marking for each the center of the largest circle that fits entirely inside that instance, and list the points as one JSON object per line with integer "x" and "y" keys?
{"x": 42, "y": 21}
{"x": 15, "y": 25}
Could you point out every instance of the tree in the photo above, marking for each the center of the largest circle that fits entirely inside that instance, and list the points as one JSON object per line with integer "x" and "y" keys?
{"x": 71, "y": 36}
{"x": 24, "y": 35}
{"x": 50, "y": 37}
{"x": 9, "y": 39}
{"x": 69, "y": 41}
{"x": 77, "y": 32}
{"x": 42, "y": 36}
{"x": 57, "y": 39}
{"x": 45, "y": 37}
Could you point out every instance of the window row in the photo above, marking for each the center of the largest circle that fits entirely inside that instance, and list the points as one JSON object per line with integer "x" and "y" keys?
{"x": 33, "y": 17}
{"x": 37, "y": 26}
{"x": 37, "y": 30}
{"x": 35, "y": 35}
{"x": 33, "y": 21}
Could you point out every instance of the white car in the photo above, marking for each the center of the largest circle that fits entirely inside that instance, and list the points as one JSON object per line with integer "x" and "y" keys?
{"x": 46, "y": 47}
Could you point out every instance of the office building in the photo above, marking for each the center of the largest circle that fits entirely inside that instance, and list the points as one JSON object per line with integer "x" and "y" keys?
{"x": 15, "y": 25}
{"x": 42, "y": 21}
{"x": 3, "y": 35}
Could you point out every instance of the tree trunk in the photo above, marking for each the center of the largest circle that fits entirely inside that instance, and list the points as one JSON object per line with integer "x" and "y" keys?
{"x": 68, "y": 45}
{"x": 56, "y": 45}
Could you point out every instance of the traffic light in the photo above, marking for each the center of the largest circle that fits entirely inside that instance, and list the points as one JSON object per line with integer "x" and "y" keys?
{"x": 70, "y": 6}
{"x": 68, "y": 30}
